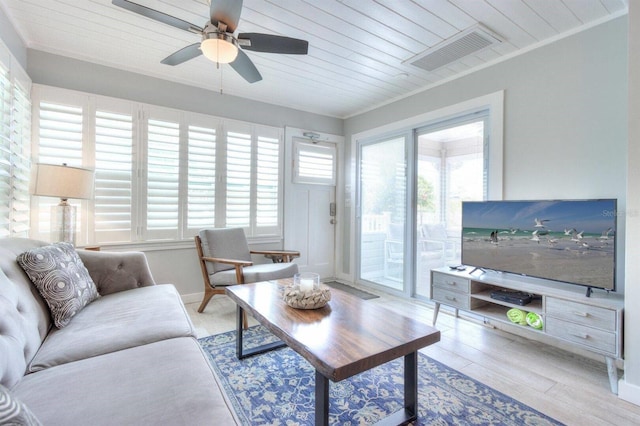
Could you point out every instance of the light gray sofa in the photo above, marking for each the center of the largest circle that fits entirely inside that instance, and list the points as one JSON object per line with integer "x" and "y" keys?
{"x": 129, "y": 357}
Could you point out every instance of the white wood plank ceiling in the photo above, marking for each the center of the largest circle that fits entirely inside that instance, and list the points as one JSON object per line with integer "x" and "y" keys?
{"x": 357, "y": 48}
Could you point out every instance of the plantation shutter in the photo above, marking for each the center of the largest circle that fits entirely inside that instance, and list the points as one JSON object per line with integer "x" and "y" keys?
{"x": 5, "y": 151}
{"x": 239, "y": 160}
{"x": 201, "y": 179}
{"x": 314, "y": 163}
{"x": 21, "y": 162}
{"x": 268, "y": 185}
{"x": 163, "y": 179}
{"x": 113, "y": 195}
{"x": 60, "y": 142}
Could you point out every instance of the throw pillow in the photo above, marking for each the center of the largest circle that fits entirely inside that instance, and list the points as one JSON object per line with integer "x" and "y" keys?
{"x": 61, "y": 278}
{"x": 14, "y": 412}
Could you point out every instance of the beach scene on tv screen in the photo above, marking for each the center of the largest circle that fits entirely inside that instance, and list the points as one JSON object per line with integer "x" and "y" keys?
{"x": 570, "y": 241}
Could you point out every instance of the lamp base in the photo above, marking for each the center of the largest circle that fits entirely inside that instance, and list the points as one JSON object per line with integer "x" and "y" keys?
{"x": 63, "y": 223}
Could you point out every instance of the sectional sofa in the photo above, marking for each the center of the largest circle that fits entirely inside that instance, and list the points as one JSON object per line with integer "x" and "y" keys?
{"x": 128, "y": 356}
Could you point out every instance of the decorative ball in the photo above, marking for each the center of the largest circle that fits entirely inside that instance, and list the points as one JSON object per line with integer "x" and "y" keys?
{"x": 534, "y": 320}
{"x": 299, "y": 299}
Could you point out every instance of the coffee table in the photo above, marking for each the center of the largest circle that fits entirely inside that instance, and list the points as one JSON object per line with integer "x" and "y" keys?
{"x": 344, "y": 338}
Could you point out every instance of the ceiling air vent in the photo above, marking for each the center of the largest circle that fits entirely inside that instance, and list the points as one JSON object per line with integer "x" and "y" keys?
{"x": 467, "y": 42}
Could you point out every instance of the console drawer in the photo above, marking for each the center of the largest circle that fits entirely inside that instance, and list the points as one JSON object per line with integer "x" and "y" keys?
{"x": 451, "y": 282}
{"x": 450, "y": 298}
{"x": 583, "y": 335}
{"x": 579, "y": 313}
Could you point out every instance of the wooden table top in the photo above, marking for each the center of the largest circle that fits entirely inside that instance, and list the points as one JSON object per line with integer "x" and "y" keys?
{"x": 346, "y": 337}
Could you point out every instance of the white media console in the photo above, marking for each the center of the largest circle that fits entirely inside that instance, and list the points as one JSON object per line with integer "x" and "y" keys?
{"x": 590, "y": 323}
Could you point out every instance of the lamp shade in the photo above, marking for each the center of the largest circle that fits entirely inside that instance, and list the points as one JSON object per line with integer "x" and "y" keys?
{"x": 64, "y": 182}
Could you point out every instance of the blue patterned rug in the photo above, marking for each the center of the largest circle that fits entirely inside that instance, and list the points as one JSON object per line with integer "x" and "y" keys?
{"x": 277, "y": 388}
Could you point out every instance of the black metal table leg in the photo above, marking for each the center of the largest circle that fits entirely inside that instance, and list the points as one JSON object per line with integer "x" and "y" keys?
{"x": 409, "y": 412}
{"x": 244, "y": 353}
{"x": 322, "y": 400}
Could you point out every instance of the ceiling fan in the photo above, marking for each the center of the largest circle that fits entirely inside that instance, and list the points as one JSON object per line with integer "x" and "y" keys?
{"x": 218, "y": 42}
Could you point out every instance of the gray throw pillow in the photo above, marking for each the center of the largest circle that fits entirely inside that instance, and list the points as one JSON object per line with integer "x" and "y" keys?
{"x": 14, "y": 412}
{"x": 61, "y": 278}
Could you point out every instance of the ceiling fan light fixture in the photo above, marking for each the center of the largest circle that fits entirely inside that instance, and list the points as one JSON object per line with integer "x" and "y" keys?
{"x": 219, "y": 47}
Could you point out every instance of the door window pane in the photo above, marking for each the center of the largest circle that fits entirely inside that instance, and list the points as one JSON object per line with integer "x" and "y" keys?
{"x": 383, "y": 200}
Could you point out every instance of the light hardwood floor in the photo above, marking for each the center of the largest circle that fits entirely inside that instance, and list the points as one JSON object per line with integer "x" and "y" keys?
{"x": 568, "y": 387}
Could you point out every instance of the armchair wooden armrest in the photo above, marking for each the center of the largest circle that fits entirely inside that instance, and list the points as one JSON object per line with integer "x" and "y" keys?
{"x": 278, "y": 256}
{"x": 229, "y": 261}
{"x": 238, "y": 264}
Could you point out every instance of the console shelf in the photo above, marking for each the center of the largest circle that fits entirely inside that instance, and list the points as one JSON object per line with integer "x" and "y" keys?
{"x": 569, "y": 317}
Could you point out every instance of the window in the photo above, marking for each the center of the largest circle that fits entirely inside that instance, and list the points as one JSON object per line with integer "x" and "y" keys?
{"x": 15, "y": 140}
{"x": 253, "y": 179}
{"x": 163, "y": 179}
{"x": 60, "y": 136}
{"x": 201, "y": 182}
{"x": 314, "y": 162}
{"x": 238, "y": 179}
{"x": 113, "y": 195}
{"x": 161, "y": 174}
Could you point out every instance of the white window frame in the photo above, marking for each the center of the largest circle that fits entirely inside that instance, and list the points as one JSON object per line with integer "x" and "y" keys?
{"x": 300, "y": 146}
{"x": 141, "y": 113}
{"x": 16, "y": 146}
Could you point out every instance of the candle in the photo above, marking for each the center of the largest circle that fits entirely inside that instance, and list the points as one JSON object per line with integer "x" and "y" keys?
{"x": 306, "y": 285}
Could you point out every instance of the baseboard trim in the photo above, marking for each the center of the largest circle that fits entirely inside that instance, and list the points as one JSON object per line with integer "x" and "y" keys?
{"x": 192, "y": 297}
{"x": 629, "y": 392}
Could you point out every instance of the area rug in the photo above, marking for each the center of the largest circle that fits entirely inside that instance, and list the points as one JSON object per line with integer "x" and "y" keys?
{"x": 277, "y": 388}
{"x": 351, "y": 290}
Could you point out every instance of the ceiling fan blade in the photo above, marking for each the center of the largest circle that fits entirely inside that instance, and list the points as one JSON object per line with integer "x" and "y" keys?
{"x": 183, "y": 55}
{"x": 157, "y": 16}
{"x": 227, "y": 12}
{"x": 273, "y": 43}
{"x": 243, "y": 66}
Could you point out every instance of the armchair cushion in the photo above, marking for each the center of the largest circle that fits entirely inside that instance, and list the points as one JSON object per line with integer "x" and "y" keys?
{"x": 228, "y": 243}
{"x": 61, "y": 278}
{"x": 256, "y": 273}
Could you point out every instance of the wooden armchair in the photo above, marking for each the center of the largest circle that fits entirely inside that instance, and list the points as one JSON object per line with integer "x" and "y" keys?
{"x": 225, "y": 259}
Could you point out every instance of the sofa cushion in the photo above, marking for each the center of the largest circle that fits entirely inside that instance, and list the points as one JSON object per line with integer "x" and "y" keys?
{"x": 61, "y": 278}
{"x": 14, "y": 412}
{"x": 164, "y": 383}
{"x": 114, "y": 322}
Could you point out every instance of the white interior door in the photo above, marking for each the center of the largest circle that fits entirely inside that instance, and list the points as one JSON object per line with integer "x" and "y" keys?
{"x": 310, "y": 192}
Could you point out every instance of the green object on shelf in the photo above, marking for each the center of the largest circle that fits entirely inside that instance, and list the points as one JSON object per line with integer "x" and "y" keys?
{"x": 534, "y": 320}
{"x": 517, "y": 316}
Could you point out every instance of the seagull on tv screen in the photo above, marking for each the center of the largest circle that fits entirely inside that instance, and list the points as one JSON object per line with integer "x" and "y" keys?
{"x": 540, "y": 223}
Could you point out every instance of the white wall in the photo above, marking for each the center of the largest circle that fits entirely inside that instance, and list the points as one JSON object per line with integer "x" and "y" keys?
{"x": 60, "y": 71}
{"x": 629, "y": 387}
{"x": 565, "y": 118}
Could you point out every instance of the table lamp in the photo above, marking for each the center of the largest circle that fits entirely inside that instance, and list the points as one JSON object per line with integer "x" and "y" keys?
{"x": 66, "y": 182}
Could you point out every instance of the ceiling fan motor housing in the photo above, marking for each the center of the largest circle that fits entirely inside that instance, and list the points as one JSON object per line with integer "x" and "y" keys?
{"x": 217, "y": 45}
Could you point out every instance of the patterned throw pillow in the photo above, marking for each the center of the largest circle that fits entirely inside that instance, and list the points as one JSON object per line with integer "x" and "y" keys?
{"x": 13, "y": 412}
{"x": 61, "y": 278}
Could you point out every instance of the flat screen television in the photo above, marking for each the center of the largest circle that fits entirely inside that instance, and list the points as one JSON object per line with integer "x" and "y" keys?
{"x": 571, "y": 241}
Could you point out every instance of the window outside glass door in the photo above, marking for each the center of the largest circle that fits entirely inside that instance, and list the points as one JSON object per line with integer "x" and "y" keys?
{"x": 450, "y": 169}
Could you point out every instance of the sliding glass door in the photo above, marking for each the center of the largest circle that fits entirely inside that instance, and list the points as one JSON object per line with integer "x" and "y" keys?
{"x": 409, "y": 212}
{"x": 450, "y": 168}
{"x": 382, "y": 190}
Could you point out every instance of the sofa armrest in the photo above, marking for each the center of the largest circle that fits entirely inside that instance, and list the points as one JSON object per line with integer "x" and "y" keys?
{"x": 117, "y": 271}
